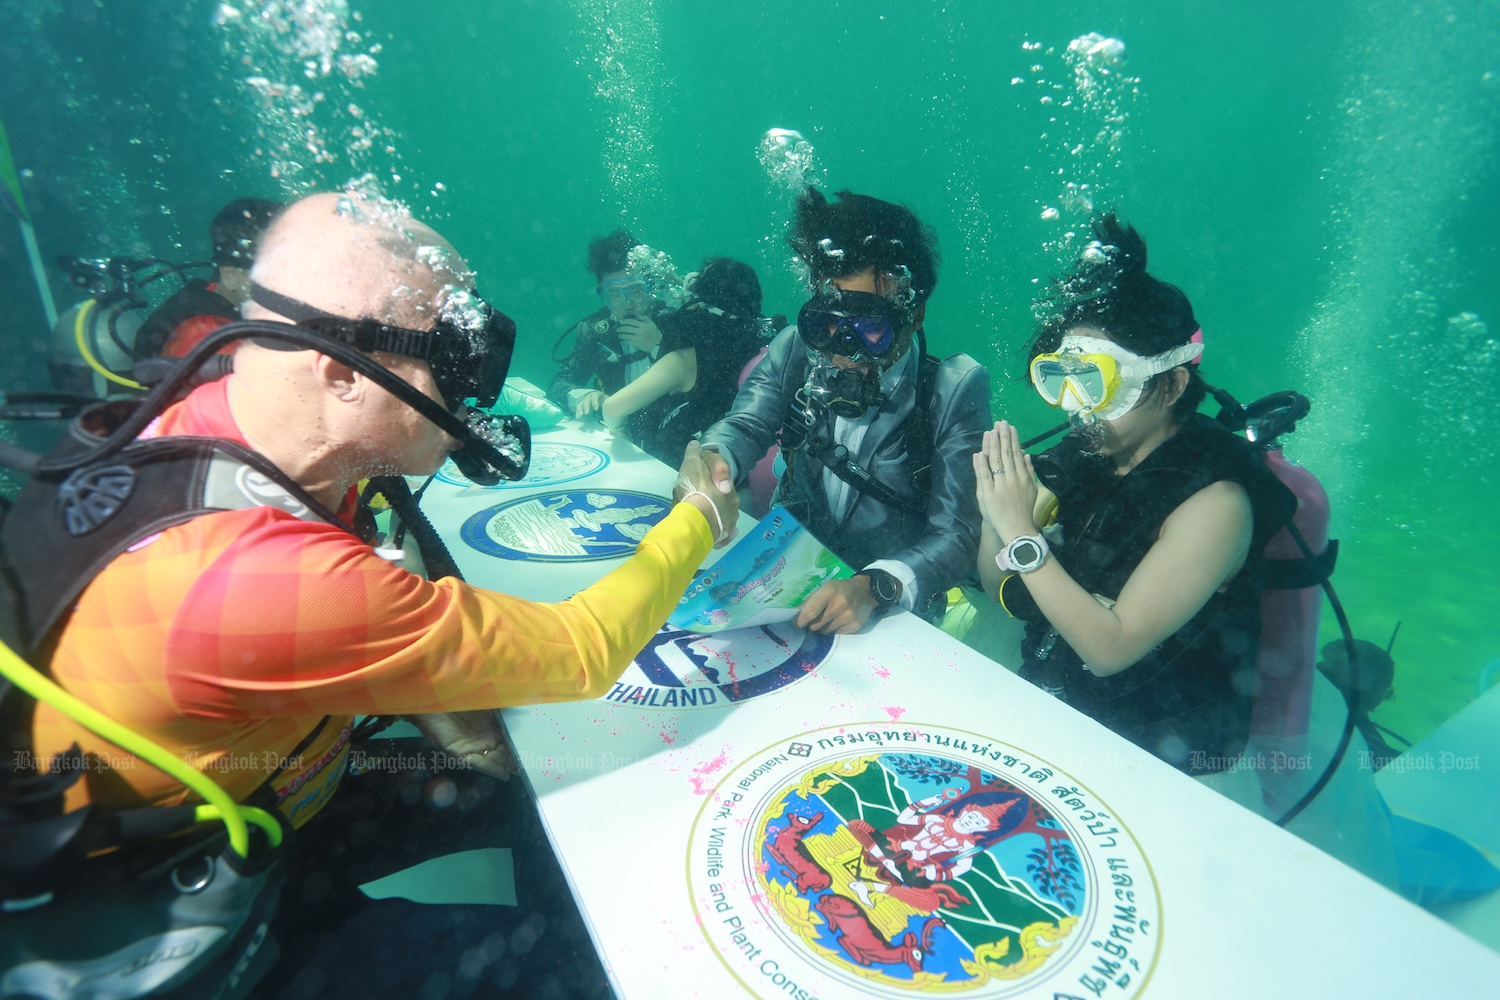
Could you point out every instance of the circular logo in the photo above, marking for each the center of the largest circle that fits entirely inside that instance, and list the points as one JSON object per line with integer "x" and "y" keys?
{"x": 552, "y": 463}
{"x": 893, "y": 861}
{"x": 679, "y": 669}
{"x": 565, "y": 527}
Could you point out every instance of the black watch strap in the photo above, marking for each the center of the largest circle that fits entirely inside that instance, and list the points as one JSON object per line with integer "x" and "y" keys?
{"x": 884, "y": 588}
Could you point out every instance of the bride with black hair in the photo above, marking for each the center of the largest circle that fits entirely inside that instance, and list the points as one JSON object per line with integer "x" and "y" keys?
{"x": 1141, "y": 595}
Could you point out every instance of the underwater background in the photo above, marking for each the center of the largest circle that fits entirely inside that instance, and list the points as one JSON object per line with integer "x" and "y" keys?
{"x": 1319, "y": 178}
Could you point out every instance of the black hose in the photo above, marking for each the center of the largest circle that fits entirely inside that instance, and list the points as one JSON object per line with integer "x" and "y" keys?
{"x": 1031, "y": 442}
{"x": 1350, "y": 695}
{"x": 165, "y": 392}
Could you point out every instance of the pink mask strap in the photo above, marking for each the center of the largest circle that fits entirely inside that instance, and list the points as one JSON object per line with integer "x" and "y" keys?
{"x": 1196, "y": 338}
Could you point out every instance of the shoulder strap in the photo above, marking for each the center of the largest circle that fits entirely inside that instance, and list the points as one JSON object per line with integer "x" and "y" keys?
{"x": 835, "y": 459}
{"x": 65, "y": 528}
{"x": 917, "y": 427}
{"x": 1297, "y": 574}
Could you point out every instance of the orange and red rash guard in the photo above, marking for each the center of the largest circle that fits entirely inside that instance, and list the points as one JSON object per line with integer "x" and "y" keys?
{"x": 226, "y": 640}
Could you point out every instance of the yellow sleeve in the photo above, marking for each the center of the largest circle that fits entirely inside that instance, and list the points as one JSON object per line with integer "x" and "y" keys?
{"x": 451, "y": 646}
{"x": 609, "y": 622}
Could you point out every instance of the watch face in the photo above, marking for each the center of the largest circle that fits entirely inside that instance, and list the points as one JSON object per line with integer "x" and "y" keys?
{"x": 1024, "y": 554}
{"x": 883, "y": 587}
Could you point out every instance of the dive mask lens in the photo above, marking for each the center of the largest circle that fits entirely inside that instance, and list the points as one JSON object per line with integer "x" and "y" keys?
{"x": 853, "y": 324}
{"x": 1074, "y": 381}
{"x": 625, "y": 293}
{"x": 473, "y": 365}
{"x": 496, "y": 447}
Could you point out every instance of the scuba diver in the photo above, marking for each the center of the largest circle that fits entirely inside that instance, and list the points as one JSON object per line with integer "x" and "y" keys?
{"x": 617, "y": 343}
{"x": 1142, "y": 602}
{"x": 97, "y": 344}
{"x": 876, "y": 433}
{"x": 199, "y": 307}
{"x": 203, "y": 625}
{"x": 706, "y": 344}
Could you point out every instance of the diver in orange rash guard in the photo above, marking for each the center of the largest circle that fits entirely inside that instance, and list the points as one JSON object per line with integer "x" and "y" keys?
{"x": 228, "y": 638}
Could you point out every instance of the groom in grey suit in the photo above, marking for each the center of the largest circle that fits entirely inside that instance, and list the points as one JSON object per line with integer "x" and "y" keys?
{"x": 878, "y": 435}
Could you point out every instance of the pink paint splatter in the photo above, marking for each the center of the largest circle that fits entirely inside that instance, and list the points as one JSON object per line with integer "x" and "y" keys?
{"x": 882, "y": 672}
{"x": 669, "y": 738}
{"x": 700, "y": 778}
{"x": 893, "y": 711}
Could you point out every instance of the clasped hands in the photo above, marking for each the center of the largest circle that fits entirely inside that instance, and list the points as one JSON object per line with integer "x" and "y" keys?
{"x": 1005, "y": 483}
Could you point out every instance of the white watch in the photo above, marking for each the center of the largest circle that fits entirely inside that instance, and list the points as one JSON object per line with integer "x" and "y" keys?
{"x": 1024, "y": 554}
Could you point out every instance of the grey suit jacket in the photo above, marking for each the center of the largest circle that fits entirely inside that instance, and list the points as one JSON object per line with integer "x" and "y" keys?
{"x": 940, "y": 547}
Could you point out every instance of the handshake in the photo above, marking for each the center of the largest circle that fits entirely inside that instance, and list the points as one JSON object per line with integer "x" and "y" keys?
{"x": 704, "y": 482}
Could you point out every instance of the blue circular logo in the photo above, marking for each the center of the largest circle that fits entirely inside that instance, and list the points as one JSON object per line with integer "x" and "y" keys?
{"x": 680, "y": 670}
{"x": 552, "y": 464}
{"x": 571, "y": 526}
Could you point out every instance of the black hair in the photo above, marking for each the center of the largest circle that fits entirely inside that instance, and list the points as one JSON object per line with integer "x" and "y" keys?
{"x": 610, "y": 253}
{"x": 730, "y": 285}
{"x": 857, "y": 233}
{"x": 729, "y": 333}
{"x": 237, "y": 228}
{"x": 1109, "y": 289}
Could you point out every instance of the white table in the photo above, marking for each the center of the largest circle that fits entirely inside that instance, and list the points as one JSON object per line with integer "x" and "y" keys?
{"x": 704, "y": 814}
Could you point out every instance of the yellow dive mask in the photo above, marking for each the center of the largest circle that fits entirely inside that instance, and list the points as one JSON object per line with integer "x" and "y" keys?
{"x": 1099, "y": 377}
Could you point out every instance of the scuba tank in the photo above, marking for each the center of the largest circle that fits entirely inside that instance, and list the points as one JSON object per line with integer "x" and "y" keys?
{"x": 105, "y": 328}
{"x": 1290, "y": 617}
{"x": 94, "y": 345}
{"x": 1290, "y": 603}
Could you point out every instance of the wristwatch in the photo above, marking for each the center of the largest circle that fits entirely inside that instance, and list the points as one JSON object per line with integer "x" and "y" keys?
{"x": 885, "y": 588}
{"x": 1024, "y": 554}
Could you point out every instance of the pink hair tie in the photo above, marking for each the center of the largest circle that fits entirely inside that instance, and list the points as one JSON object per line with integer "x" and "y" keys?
{"x": 1196, "y": 338}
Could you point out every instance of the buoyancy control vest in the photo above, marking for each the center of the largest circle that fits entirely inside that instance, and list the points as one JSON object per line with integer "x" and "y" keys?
{"x": 1188, "y": 700}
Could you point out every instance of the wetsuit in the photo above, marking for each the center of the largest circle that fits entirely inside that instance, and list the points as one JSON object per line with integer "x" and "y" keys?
{"x": 1188, "y": 700}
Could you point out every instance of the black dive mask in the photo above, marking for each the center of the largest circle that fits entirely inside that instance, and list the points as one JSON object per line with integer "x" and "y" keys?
{"x": 468, "y": 360}
{"x": 854, "y": 324}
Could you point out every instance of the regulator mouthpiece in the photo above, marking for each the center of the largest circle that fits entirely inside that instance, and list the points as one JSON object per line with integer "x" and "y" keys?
{"x": 497, "y": 446}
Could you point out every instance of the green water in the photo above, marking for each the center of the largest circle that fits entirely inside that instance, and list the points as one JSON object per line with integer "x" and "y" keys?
{"x": 1320, "y": 178}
